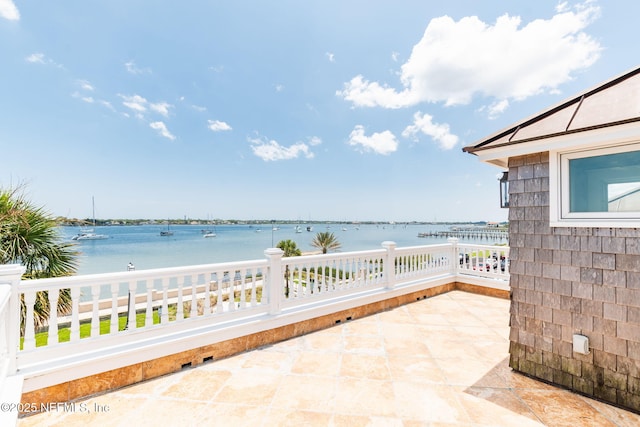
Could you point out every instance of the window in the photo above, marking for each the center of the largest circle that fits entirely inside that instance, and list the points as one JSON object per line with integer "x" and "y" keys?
{"x": 596, "y": 188}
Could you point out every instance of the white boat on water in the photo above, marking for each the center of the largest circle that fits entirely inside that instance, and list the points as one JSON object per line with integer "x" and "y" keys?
{"x": 89, "y": 234}
{"x": 168, "y": 232}
{"x": 208, "y": 233}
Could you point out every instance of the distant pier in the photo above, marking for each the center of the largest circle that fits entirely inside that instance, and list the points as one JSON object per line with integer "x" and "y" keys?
{"x": 470, "y": 233}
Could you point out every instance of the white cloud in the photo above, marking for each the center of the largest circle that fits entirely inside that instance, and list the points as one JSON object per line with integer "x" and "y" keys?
{"x": 8, "y": 10}
{"x": 35, "y": 58}
{"x": 217, "y": 125}
{"x": 85, "y": 85}
{"x": 107, "y": 104}
{"x": 162, "y": 130}
{"x": 87, "y": 99}
{"x": 380, "y": 143}
{"x": 279, "y": 87}
{"x": 456, "y": 60}
{"x": 161, "y": 108}
{"x": 141, "y": 105}
{"x": 364, "y": 93}
{"x": 40, "y": 58}
{"x": 314, "y": 140}
{"x": 496, "y": 108}
{"x": 135, "y": 102}
{"x": 440, "y": 133}
{"x": 395, "y": 56}
{"x": 270, "y": 150}
{"x": 132, "y": 68}
{"x": 330, "y": 56}
{"x": 199, "y": 108}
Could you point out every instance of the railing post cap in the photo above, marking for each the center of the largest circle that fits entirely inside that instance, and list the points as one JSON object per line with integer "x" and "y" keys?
{"x": 12, "y": 269}
{"x": 388, "y": 244}
{"x": 273, "y": 252}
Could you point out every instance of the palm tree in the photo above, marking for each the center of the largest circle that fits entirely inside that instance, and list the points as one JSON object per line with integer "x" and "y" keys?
{"x": 325, "y": 241}
{"x": 289, "y": 247}
{"x": 29, "y": 236}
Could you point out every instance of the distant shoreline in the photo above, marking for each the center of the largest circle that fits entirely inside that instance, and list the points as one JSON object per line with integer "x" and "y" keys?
{"x": 75, "y": 222}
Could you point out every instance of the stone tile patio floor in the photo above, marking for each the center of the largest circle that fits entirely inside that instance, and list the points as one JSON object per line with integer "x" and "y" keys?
{"x": 441, "y": 361}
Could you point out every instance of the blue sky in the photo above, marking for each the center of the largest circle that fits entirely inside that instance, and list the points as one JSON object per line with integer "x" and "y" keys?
{"x": 323, "y": 110}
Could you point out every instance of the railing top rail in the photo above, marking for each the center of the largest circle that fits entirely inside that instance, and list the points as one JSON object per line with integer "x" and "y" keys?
{"x": 476, "y": 246}
{"x": 127, "y": 276}
{"x": 422, "y": 247}
{"x": 334, "y": 255}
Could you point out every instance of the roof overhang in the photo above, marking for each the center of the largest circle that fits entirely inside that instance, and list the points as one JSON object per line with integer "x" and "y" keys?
{"x": 608, "y": 114}
{"x": 612, "y": 135}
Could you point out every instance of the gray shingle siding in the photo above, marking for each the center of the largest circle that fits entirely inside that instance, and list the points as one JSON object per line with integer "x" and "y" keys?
{"x": 571, "y": 280}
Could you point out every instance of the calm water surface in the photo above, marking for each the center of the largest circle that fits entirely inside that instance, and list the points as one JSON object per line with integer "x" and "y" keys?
{"x": 145, "y": 248}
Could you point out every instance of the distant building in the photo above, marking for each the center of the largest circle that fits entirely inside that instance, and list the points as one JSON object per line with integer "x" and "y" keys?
{"x": 574, "y": 232}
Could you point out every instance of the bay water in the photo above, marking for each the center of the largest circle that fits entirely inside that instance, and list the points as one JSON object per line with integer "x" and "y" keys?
{"x": 145, "y": 248}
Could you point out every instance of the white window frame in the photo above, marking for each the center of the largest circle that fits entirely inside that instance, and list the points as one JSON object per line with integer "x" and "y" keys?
{"x": 559, "y": 192}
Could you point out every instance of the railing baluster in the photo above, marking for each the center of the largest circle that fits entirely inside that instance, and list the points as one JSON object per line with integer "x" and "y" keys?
{"x": 344, "y": 275}
{"x": 180, "y": 306}
{"x": 304, "y": 275}
{"x": 207, "y": 295}
{"x": 95, "y": 315}
{"x": 148, "y": 318}
{"x": 165, "y": 301}
{"x": 115, "y": 321}
{"x": 254, "y": 284}
{"x": 243, "y": 288}
{"x": 131, "y": 320}
{"x": 75, "y": 315}
{"x": 231, "y": 291}
{"x": 29, "y": 324}
{"x": 194, "y": 297}
{"x": 54, "y": 295}
{"x": 219, "y": 284}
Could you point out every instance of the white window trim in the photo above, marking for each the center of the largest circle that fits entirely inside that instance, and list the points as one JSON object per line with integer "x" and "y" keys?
{"x": 559, "y": 192}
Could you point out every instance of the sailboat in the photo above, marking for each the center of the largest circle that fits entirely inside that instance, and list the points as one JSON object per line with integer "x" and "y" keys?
{"x": 168, "y": 232}
{"x": 90, "y": 234}
{"x": 209, "y": 233}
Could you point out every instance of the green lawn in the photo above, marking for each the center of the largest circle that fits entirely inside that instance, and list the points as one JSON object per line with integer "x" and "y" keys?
{"x": 64, "y": 334}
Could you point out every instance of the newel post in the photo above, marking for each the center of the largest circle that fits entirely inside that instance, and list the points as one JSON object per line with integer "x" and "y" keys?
{"x": 11, "y": 275}
{"x": 455, "y": 262}
{"x": 389, "y": 268}
{"x": 274, "y": 279}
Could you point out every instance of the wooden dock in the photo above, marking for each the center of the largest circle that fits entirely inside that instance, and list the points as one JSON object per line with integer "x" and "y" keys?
{"x": 470, "y": 233}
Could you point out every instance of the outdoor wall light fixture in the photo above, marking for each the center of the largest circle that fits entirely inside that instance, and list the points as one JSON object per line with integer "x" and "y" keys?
{"x": 504, "y": 190}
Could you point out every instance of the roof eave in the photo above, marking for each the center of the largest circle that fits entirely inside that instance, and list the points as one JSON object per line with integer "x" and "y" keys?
{"x": 510, "y": 130}
{"x": 612, "y": 134}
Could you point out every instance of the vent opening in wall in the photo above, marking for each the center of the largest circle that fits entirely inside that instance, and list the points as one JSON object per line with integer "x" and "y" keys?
{"x": 580, "y": 344}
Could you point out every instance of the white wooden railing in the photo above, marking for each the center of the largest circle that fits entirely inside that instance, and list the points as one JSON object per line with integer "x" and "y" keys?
{"x": 151, "y": 313}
